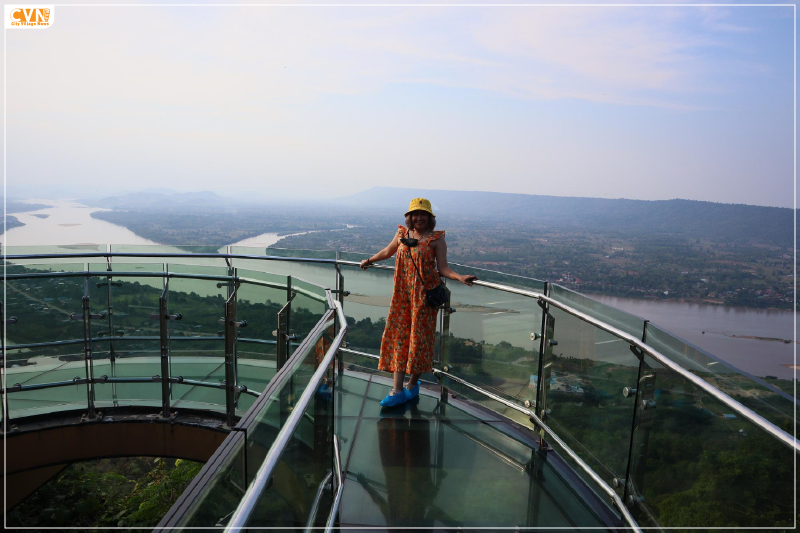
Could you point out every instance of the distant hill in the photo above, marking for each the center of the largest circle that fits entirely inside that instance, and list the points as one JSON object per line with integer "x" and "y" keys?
{"x": 18, "y": 206}
{"x": 160, "y": 199}
{"x": 11, "y": 222}
{"x": 691, "y": 218}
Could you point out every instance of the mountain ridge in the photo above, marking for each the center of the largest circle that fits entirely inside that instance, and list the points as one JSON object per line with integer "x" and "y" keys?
{"x": 693, "y": 218}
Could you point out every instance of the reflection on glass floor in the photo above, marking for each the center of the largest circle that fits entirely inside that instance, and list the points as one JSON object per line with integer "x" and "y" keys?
{"x": 434, "y": 464}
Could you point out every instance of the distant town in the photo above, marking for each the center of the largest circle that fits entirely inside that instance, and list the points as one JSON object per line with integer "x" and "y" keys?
{"x": 719, "y": 254}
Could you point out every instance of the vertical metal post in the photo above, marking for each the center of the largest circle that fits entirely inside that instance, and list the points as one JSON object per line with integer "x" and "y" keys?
{"x": 289, "y": 299}
{"x": 230, "y": 356}
{"x": 112, "y": 358}
{"x": 340, "y": 297}
{"x": 545, "y": 335}
{"x": 633, "y": 419}
{"x": 444, "y": 349}
{"x": 338, "y": 403}
{"x": 87, "y": 347}
{"x": 163, "y": 326}
{"x": 536, "y": 472}
{"x": 168, "y": 317}
{"x": 233, "y": 289}
{"x": 4, "y": 383}
{"x": 640, "y": 432}
{"x": 281, "y": 337}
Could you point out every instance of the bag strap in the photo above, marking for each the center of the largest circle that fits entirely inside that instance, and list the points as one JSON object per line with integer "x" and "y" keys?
{"x": 410, "y": 256}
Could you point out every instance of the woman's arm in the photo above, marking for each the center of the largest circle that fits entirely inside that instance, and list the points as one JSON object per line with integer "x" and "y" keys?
{"x": 446, "y": 271}
{"x": 386, "y": 253}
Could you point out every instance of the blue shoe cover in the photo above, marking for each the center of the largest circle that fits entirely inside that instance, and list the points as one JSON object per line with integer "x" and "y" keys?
{"x": 393, "y": 399}
{"x": 325, "y": 392}
{"x": 411, "y": 393}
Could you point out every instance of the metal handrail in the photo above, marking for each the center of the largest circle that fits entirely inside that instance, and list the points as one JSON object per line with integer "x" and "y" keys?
{"x": 168, "y": 275}
{"x": 124, "y": 338}
{"x": 154, "y": 255}
{"x": 17, "y": 387}
{"x": 312, "y": 515}
{"x": 337, "y": 499}
{"x": 265, "y": 471}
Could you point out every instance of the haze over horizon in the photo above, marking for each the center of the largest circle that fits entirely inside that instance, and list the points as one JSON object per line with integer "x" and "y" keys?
{"x": 271, "y": 103}
{"x": 100, "y": 194}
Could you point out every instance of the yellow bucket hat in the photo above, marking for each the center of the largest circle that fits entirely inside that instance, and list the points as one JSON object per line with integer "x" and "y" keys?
{"x": 420, "y": 204}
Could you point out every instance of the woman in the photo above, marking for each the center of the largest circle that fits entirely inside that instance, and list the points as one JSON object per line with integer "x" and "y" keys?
{"x": 407, "y": 344}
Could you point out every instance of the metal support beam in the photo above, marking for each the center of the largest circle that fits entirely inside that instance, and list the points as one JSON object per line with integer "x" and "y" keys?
{"x": 231, "y": 324}
{"x": 640, "y": 432}
{"x": 444, "y": 343}
{"x": 281, "y": 337}
{"x": 3, "y": 355}
{"x": 541, "y": 393}
{"x": 163, "y": 326}
{"x": 87, "y": 347}
{"x": 112, "y": 357}
{"x": 340, "y": 294}
{"x": 289, "y": 298}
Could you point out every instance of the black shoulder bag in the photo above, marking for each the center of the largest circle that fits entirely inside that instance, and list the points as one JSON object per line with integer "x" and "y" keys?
{"x": 435, "y": 297}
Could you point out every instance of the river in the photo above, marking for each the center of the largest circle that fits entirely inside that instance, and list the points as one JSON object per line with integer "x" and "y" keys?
{"x": 708, "y": 326}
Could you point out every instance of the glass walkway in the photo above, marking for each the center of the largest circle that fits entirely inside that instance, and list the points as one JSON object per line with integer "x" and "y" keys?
{"x": 545, "y": 409}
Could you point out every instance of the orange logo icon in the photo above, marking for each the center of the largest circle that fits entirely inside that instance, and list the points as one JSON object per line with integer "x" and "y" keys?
{"x": 29, "y": 17}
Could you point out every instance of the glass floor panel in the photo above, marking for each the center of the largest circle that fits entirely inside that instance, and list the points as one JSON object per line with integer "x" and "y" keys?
{"x": 434, "y": 464}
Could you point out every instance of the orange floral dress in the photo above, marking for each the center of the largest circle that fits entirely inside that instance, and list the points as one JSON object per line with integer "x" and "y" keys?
{"x": 407, "y": 343}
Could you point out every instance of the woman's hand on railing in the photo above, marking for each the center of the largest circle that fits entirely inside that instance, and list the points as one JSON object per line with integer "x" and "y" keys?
{"x": 467, "y": 279}
{"x": 365, "y": 264}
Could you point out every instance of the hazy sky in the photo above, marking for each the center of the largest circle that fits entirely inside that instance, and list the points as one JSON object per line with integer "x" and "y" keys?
{"x": 273, "y": 102}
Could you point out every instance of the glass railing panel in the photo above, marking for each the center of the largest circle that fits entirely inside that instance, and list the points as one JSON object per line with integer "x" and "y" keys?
{"x": 491, "y": 344}
{"x": 201, "y": 302}
{"x": 233, "y": 467}
{"x": 170, "y": 249}
{"x": 585, "y": 375}
{"x": 221, "y": 487}
{"x": 631, "y": 324}
{"x": 135, "y": 340}
{"x": 493, "y": 276}
{"x": 323, "y": 274}
{"x": 33, "y": 366}
{"x": 573, "y": 494}
{"x": 774, "y": 401}
{"x": 697, "y": 464}
{"x": 297, "y": 495}
{"x": 265, "y": 424}
{"x": 259, "y": 304}
{"x": 43, "y": 304}
{"x": 54, "y": 249}
{"x": 310, "y": 303}
{"x": 366, "y": 308}
{"x": 296, "y": 252}
{"x": 358, "y": 257}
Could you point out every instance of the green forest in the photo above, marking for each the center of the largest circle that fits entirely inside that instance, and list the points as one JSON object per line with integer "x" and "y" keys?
{"x": 128, "y": 492}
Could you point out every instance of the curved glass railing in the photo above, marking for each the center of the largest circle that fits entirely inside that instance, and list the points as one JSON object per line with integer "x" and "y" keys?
{"x": 670, "y": 435}
{"x": 139, "y": 331}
